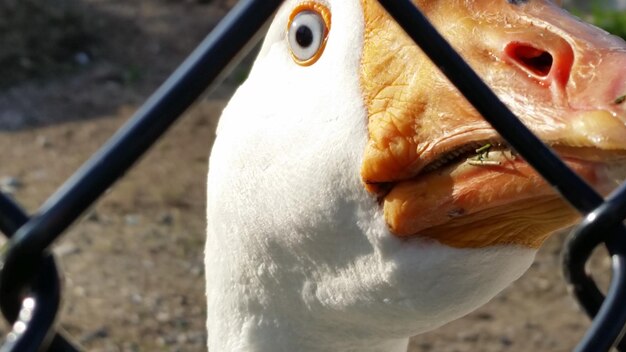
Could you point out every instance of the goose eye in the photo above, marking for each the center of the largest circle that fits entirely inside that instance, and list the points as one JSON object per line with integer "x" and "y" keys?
{"x": 307, "y": 34}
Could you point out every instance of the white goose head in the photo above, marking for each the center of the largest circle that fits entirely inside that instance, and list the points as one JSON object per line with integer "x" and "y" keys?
{"x": 343, "y": 212}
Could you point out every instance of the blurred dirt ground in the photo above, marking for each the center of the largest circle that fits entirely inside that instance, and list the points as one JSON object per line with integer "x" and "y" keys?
{"x": 133, "y": 266}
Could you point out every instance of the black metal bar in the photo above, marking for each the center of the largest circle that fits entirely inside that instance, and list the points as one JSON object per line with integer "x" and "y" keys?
{"x": 576, "y": 191}
{"x": 184, "y": 87}
{"x": 12, "y": 217}
{"x": 33, "y": 329}
{"x": 29, "y": 270}
{"x": 34, "y": 325}
{"x": 582, "y": 241}
{"x": 609, "y": 311}
{"x": 607, "y": 326}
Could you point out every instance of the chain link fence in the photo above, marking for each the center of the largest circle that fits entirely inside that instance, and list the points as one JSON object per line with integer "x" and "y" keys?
{"x": 30, "y": 289}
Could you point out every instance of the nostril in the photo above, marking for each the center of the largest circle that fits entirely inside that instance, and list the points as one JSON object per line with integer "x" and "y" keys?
{"x": 534, "y": 61}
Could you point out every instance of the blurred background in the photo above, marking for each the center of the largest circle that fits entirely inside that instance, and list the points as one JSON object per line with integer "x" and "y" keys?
{"x": 73, "y": 71}
{"x": 600, "y": 4}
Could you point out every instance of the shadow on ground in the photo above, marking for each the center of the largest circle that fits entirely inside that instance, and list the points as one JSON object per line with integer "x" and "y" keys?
{"x": 70, "y": 60}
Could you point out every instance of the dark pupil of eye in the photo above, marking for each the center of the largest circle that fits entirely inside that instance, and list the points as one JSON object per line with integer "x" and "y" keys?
{"x": 304, "y": 36}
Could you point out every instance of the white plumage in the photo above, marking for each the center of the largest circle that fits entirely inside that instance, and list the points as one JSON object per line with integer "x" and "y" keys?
{"x": 299, "y": 256}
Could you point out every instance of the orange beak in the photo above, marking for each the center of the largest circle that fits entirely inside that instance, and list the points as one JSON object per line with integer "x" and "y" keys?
{"x": 440, "y": 170}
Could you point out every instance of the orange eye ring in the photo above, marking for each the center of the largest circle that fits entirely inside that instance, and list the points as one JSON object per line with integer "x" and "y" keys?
{"x": 309, "y": 56}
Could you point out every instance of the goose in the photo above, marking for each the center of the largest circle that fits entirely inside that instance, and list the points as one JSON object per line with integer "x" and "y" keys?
{"x": 356, "y": 199}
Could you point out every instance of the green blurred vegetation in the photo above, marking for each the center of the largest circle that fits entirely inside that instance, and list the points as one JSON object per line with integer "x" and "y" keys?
{"x": 613, "y": 21}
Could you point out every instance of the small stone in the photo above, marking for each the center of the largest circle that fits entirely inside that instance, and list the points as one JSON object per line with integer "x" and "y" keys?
{"x": 162, "y": 317}
{"x": 10, "y": 184}
{"x": 130, "y": 347}
{"x": 166, "y": 219}
{"x": 136, "y": 298}
{"x": 197, "y": 270}
{"x": 484, "y": 316}
{"x": 532, "y": 326}
{"x": 43, "y": 142}
{"x": 66, "y": 249}
{"x": 100, "y": 333}
{"x": 148, "y": 264}
{"x": 39, "y": 175}
{"x": 181, "y": 338}
{"x": 506, "y": 341}
{"x": 26, "y": 62}
{"x": 170, "y": 340}
{"x": 197, "y": 337}
{"x": 132, "y": 220}
{"x": 79, "y": 291}
{"x": 133, "y": 319}
{"x": 82, "y": 58}
{"x": 468, "y": 336}
{"x": 93, "y": 216}
{"x": 543, "y": 284}
{"x": 425, "y": 346}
